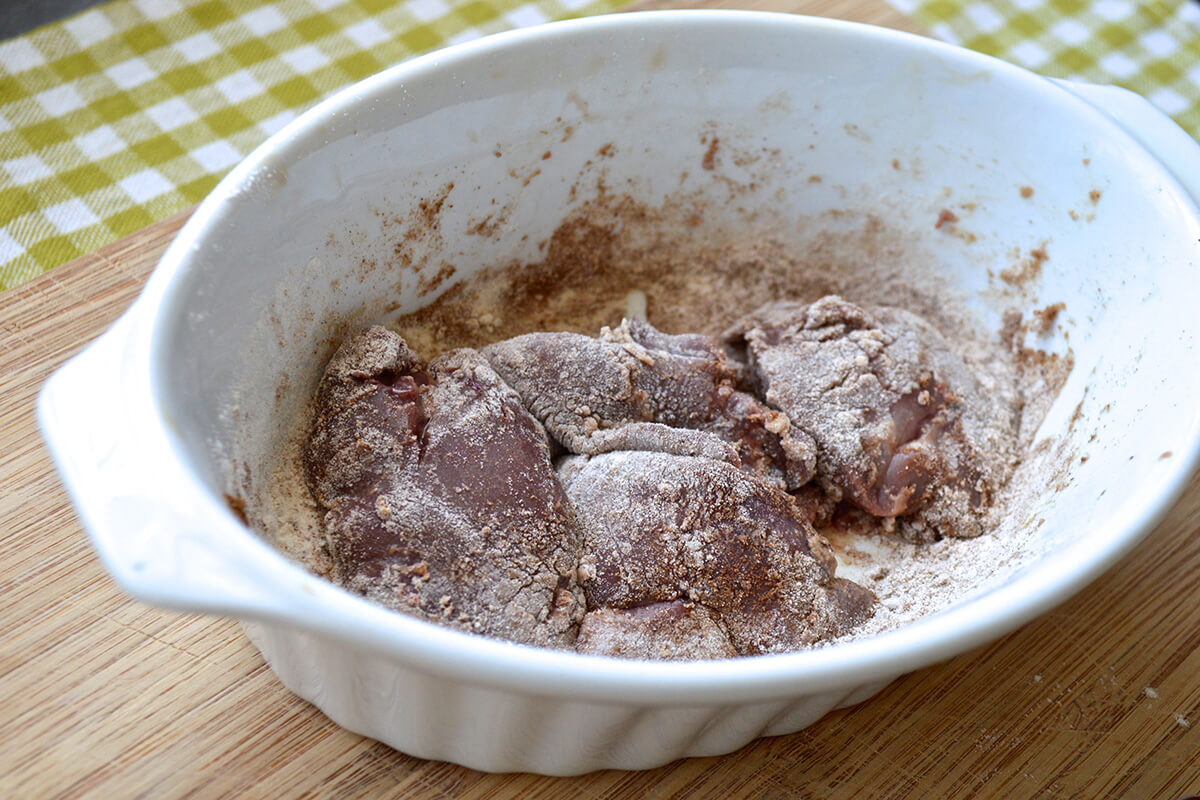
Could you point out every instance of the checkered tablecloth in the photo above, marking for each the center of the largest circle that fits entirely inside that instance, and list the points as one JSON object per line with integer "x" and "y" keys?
{"x": 1152, "y": 48}
{"x": 131, "y": 111}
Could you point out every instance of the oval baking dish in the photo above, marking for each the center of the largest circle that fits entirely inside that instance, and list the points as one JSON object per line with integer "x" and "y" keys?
{"x": 180, "y": 402}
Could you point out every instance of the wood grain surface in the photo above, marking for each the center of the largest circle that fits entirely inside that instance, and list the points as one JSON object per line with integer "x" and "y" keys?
{"x": 101, "y": 696}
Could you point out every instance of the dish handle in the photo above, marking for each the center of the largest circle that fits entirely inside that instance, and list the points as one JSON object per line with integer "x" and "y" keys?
{"x": 162, "y": 540}
{"x": 1153, "y": 129}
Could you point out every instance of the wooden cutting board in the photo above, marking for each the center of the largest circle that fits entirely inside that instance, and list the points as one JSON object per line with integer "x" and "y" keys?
{"x": 102, "y": 696}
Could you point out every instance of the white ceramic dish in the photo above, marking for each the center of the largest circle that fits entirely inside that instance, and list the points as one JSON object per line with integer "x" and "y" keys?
{"x": 140, "y": 427}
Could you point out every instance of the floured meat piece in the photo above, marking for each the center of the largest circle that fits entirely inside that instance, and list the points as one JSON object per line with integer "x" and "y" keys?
{"x": 670, "y": 529}
{"x": 636, "y": 388}
{"x": 439, "y": 496}
{"x": 674, "y": 631}
{"x": 905, "y": 427}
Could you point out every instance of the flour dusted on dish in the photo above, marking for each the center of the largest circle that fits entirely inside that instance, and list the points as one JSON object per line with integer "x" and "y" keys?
{"x": 655, "y": 489}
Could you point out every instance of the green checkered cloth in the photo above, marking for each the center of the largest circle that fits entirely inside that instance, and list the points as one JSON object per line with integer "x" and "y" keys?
{"x": 1152, "y": 48}
{"x": 129, "y": 112}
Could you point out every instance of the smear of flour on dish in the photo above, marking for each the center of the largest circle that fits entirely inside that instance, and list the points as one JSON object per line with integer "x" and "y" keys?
{"x": 589, "y": 277}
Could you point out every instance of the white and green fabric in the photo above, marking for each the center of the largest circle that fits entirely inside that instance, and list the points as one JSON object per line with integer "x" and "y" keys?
{"x": 1152, "y": 48}
{"x": 129, "y": 112}
{"x": 133, "y": 110}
